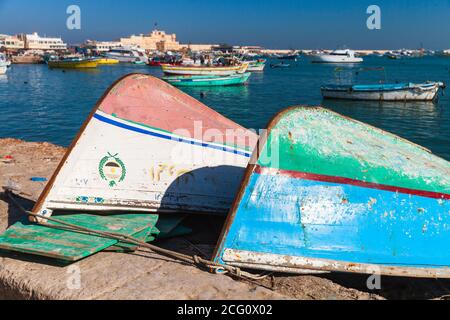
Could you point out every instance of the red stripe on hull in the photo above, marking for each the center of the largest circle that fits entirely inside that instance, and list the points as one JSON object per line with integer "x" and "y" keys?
{"x": 341, "y": 180}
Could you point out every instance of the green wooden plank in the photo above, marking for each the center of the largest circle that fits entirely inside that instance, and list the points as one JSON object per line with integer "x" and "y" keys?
{"x": 168, "y": 222}
{"x": 72, "y": 246}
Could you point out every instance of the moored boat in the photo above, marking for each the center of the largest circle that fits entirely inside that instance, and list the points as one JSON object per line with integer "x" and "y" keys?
{"x": 127, "y": 54}
{"x": 204, "y": 70}
{"x": 280, "y": 65}
{"x": 384, "y": 92}
{"x": 290, "y": 56}
{"x": 73, "y": 63}
{"x": 208, "y": 81}
{"x": 337, "y": 56}
{"x": 328, "y": 193}
{"x": 106, "y": 61}
{"x": 257, "y": 65}
{"x": 3, "y": 64}
{"x": 148, "y": 146}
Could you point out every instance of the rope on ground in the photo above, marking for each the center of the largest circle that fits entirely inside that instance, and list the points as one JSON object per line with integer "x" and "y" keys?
{"x": 192, "y": 260}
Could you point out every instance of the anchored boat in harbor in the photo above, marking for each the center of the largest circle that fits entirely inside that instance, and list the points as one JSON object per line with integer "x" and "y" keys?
{"x": 107, "y": 61}
{"x": 328, "y": 193}
{"x": 337, "y": 56}
{"x": 208, "y": 81}
{"x": 127, "y": 54}
{"x": 256, "y": 65}
{"x": 204, "y": 70}
{"x": 4, "y": 63}
{"x": 73, "y": 63}
{"x": 384, "y": 92}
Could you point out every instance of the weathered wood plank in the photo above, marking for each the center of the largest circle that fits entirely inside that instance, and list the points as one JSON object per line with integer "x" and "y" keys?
{"x": 72, "y": 246}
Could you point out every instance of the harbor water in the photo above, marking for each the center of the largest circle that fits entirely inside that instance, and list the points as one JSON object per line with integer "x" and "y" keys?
{"x": 39, "y": 104}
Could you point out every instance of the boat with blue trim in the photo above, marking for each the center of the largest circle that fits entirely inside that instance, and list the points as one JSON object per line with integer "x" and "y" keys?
{"x": 328, "y": 193}
{"x": 208, "y": 81}
{"x": 147, "y": 147}
{"x": 384, "y": 92}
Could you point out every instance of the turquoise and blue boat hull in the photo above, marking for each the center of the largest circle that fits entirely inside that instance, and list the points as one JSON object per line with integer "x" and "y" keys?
{"x": 290, "y": 220}
{"x": 208, "y": 81}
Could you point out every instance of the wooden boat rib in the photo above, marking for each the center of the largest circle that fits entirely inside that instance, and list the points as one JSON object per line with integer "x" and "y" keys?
{"x": 384, "y": 92}
{"x": 208, "y": 81}
{"x": 204, "y": 70}
{"x": 327, "y": 193}
{"x": 147, "y": 146}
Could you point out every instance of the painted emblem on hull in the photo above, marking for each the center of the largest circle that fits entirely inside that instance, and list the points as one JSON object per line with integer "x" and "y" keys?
{"x": 112, "y": 169}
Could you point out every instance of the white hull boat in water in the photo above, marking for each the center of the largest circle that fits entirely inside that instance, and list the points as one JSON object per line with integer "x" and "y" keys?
{"x": 127, "y": 55}
{"x": 337, "y": 56}
{"x": 384, "y": 92}
{"x": 4, "y": 64}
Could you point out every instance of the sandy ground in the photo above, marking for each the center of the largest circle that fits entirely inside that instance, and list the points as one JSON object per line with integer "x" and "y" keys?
{"x": 145, "y": 275}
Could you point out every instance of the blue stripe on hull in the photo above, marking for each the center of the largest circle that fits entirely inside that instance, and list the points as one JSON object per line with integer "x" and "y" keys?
{"x": 313, "y": 219}
{"x": 168, "y": 137}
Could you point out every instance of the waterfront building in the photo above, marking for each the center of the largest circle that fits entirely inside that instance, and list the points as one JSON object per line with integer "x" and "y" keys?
{"x": 156, "y": 40}
{"x": 198, "y": 47}
{"x": 11, "y": 43}
{"x": 35, "y": 42}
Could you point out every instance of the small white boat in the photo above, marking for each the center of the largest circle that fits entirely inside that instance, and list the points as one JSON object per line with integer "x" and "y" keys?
{"x": 384, "y": 92}
{"x": 337, "y": 56}
{"x": 256, "y": 65}
{"x": 4, "y": 63}
{"x": 127, "y": 54}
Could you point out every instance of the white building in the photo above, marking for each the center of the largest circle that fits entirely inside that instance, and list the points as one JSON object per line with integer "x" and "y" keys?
{"x": 102, "y": 46}
{"x": 11, "y": 42}
{"x": 35, "y": 42}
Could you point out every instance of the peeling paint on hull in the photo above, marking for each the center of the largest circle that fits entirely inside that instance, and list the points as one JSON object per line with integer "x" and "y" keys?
{"x": 341, "y": 196}
{"x": 145, "y": 147}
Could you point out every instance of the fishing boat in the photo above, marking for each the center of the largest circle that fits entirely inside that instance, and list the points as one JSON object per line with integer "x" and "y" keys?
{"x": 337, "y": 56}
{"x": 107, "y": 61}
{"x": 208, "y": 81}
{"x": 149, "y": 147}
{"x": 328, "y": 193}
{"x": 384, "y": 92}
{"x": 204, "y": 70}
{"x": 280, "y": 65}
{"x": 30, "y": 57}
{"x": 290, "y": 56}
{"x": 73, "y": 63}
{"x": 256, "y": 65}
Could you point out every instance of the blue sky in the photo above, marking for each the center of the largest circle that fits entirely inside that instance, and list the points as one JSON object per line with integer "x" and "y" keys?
{"x": 270, "y": 23}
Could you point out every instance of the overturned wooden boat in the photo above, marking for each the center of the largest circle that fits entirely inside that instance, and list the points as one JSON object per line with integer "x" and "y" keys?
{"x": 147, "y": 146}
{"x": 384, "y": 92}
{"x": 208, "y": 81}
{"x": 203, "y": 70}
{"x": 327, "y": 193}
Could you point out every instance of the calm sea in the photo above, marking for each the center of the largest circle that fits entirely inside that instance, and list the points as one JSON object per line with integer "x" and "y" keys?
{"x": 38, "y": 104}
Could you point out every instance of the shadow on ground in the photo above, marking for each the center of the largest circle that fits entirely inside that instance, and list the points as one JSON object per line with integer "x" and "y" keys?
{"x": 204, "y": 237}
